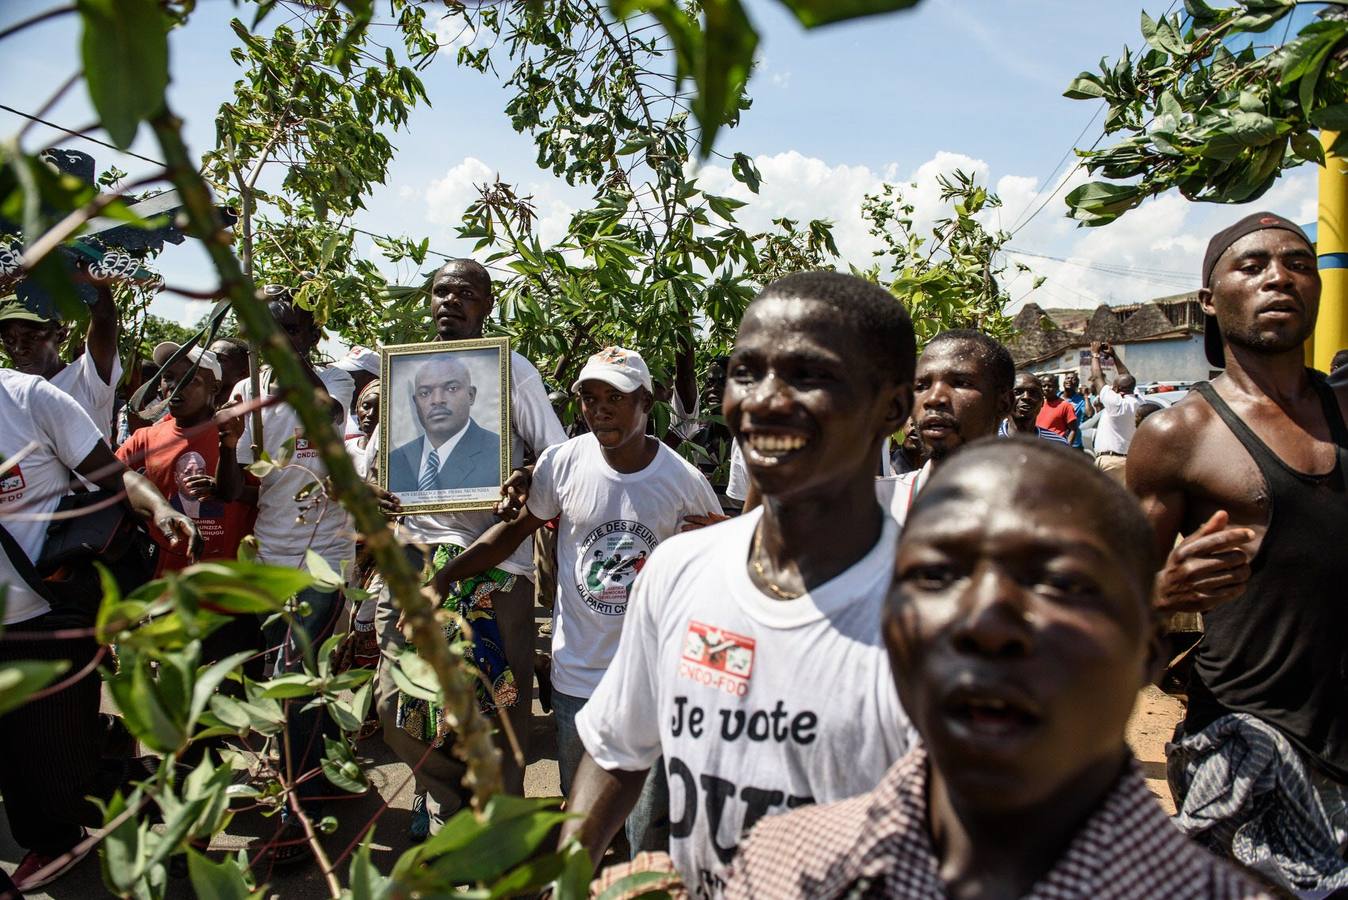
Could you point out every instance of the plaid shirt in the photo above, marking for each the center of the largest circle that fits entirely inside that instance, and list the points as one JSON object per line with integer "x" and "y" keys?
{"x": 878, "y": 845}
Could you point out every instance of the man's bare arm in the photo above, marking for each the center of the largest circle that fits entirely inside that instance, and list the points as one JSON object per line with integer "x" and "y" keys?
{"x": 1209, "y": 567}
{"x": 604, "y": 799}
{"x": 100, "y": 341}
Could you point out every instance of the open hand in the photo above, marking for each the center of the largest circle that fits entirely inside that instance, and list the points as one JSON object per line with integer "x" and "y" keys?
{"x": 1208, "y": 568}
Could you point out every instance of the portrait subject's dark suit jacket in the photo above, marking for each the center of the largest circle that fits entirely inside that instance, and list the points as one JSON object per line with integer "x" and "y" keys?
{"x": 475, "y": 462}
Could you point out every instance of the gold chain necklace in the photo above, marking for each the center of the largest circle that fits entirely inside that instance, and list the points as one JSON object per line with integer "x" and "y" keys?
{"x": 758, "y": 567}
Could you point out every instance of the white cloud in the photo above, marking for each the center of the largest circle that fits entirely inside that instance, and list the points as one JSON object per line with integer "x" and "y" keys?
{"x": 1153, "y": 251}
{"x": 453, "y": 31}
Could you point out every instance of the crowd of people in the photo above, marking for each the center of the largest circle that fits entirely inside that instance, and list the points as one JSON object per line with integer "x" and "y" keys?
{"x": 893, "y": 654}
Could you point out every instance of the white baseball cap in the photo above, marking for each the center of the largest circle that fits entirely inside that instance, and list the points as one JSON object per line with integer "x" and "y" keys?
{"x": 360, "y": 359}
{"x": 204, "y": 359}
{"x": 622, "y": 368}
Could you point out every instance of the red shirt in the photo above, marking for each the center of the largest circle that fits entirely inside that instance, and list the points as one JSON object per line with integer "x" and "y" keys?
{"x": 1057, "y": 415}
{"x": 163, "y": 453}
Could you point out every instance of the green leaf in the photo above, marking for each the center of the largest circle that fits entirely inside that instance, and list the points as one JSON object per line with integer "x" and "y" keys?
{"x": 744, "y": 171}
{"x": 1332, "y": 118}
{"x": 289, "y": 686}
{"x": 228, "y": 879}
{"x": 341, "y": 768}
{"x": 414, "y": 676}
{"x": 124, "y": 48}
{"x": 366, "y": 881}
{"x": 813, "y": 13}
{"x": 497, "y": 847}
{"x": 630, "y": 885}
{"x": 1086, "y": 86}
{"x": 20, "y": 680}
{"x": 324, "y": 575}
{"x": 574, "y": 882}
{"x": 208, "y": 681}
{"x": 262, "y": 468}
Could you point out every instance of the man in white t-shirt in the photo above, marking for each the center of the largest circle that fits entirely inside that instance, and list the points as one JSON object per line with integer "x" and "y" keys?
{"x": 49, "y": 746}
{"x": 287, "y": 528}
{"x": 461, "y": 299}
{"x": 1118, "y": 411}
{"x": 619, "y": 493}
{"x": 752, "y": 659}
{"x": 961, "y": 393}
{"x": 34, "y": 342}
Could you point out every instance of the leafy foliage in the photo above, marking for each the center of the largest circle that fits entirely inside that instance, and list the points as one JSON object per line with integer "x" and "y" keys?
{"x": 1207, "y": 110}
{"x": 949, "y": 281}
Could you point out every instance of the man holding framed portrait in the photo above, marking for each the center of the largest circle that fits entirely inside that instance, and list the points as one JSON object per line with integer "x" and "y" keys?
{"x": 457, "y": 397}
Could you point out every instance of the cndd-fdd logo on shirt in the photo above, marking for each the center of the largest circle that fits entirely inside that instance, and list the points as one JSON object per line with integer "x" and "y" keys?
{"x": 610, "y": 558}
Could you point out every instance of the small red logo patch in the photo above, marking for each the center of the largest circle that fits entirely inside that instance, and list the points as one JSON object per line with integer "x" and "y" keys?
{"x": 1268, "y": 220}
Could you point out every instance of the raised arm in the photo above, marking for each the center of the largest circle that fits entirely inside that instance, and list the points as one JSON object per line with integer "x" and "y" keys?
{"x": 1097, "y": 374}
{"x": 100, "y": 341}
{"x": 229, "y": 481}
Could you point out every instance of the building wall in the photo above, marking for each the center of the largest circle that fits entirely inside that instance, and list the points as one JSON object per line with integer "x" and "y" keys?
{"x": 1174, "y": 359}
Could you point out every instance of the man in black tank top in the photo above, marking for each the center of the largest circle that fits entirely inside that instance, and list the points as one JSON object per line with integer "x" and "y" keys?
{"x": 1252, "y": 469}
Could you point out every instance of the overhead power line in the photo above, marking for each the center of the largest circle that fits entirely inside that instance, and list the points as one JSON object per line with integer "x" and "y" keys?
{"x": 79, "y": 134}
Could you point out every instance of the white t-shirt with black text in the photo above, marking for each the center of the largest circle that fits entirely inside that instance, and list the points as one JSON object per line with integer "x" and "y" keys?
{"x": 326, "y": 528}
{"x": 80, "y": 379}
{"x": 533, "y": 426}
{"x": 57, "y": 434}
{"x": 757, "y": 705}
{"x": 611, "y": 522}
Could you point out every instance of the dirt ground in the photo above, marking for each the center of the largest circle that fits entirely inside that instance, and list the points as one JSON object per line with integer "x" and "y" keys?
{"x": 1153, "y": 722}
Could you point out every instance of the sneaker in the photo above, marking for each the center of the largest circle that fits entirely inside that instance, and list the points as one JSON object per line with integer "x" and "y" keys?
{"x": 32, "y": 872}
{"x": 420, "y": 827}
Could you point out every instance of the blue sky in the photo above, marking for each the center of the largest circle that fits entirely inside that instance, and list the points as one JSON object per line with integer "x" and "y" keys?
{"x": 970, "y": 83}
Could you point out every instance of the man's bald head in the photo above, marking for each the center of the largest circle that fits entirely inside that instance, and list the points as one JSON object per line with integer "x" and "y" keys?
{"x": 442, "y": 395}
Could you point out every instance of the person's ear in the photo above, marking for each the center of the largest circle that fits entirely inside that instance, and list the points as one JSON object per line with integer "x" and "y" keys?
{"x": 1005, "y": 401}
{"x": 647, "y": 401}
{"x": 472, "y": 395}
{"x": 1205, "y": 301}
{"x": 898, "y": 407}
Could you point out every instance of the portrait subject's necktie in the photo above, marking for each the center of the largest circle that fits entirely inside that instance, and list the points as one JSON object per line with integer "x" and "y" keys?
{"x": 428, "y": 474}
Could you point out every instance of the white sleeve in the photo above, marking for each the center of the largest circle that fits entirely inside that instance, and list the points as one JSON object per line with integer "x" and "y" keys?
{"x": 1111, "y": 401}
{"x": 243, "y": 453}
{"x": 620, "y": 725}
{"x": 544, "y": 500}
{"x": 532, "y": 414}
{"x": 340, "y": 386}
{"x": 685, "y": 423}
{"x": 69, "y": 429}
{"x": 737, "y": 486}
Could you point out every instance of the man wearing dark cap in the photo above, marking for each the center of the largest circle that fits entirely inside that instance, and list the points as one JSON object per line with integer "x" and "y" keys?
{"x": 1252, "y": 469}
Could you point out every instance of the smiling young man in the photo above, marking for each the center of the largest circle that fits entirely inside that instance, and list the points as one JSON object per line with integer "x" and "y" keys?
{"x": 751, "y": 659}
{"x": 619, "y": 493}
{"x": 961, "y": 392}
{"x": 1027, "y": 398}
{"x": 1252, "y": 468}
{"x": 1020, "y": 631}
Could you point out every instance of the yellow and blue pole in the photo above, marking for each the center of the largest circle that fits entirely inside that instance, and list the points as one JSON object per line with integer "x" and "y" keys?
{"x": 1331, "y": 243}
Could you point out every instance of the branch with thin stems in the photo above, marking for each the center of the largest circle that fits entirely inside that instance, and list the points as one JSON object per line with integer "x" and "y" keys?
{"x": 34, "y": 20}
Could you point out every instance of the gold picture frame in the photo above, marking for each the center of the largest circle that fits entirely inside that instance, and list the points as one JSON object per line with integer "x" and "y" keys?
{"x": 426, "y": 407}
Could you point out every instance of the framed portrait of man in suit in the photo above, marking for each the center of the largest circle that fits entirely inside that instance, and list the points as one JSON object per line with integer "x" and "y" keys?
{"x": 444, "y": 424}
